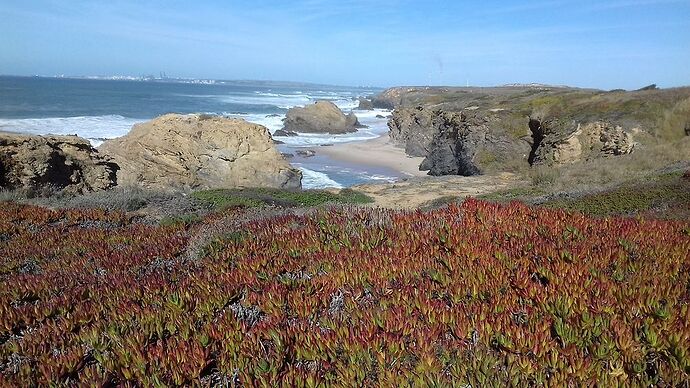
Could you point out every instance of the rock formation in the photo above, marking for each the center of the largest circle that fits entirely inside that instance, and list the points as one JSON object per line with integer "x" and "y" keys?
{"x": 558, "y": 143}
{"x": 67, "y": 163}
{"x": 320, "y": 117}
{"x": 365, "y": 104}
{"x": 198, "y": 152}
{"x": 282, "y": 133}
{"x": 453, "y": 143}
{"x": 414, "y": 128}
{"x": 391, "y": 98}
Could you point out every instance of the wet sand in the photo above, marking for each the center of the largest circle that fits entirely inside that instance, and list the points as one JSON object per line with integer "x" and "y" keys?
{"x": 377, "y": 152}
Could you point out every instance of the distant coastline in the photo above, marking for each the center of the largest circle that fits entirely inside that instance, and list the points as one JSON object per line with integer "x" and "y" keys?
{"x": 187, "y": 80}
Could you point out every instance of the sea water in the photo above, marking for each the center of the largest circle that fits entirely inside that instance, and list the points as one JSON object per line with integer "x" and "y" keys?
{"x": 104, "y": 109}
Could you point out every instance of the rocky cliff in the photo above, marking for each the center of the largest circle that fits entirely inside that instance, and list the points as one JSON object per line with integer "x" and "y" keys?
{"x": 320, "y": 117}
{"x": 67, "y": 163}
{"x": 495, "y": 128}
{"x": 199, "y": 152}
{"x": 454, "y": 143}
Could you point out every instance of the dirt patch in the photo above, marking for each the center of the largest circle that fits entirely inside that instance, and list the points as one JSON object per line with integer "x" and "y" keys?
{"x": 415, "y": 192}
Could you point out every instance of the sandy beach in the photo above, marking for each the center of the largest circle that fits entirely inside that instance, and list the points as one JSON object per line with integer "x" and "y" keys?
{"x": 379, "y": 152}
{"x": 420, "y": 189}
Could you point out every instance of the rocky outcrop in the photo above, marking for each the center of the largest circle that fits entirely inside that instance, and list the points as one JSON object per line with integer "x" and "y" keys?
{"x": 453, "y": 143}
{"x": 557, "y": 143}
{"x": 281, "y": 133}
{"x": 415, "y": 128}
{"x": 199, "y": 152}
{"x": 365, "y": 104}
{"x": 67, "y": 163}
{"x": 320, "y": 117}
{"x": 391, "y": 98}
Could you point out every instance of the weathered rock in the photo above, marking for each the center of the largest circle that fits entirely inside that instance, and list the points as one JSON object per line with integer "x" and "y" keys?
{"x": 415, "y": 128}
{"x": 380, "y": 116}
{"x": 67, "y": 163}
{"x": 306, "y": 153}
{"x": 320, "y": 117}
{"x": 555, "y": 142}
{"x": 391, "y": 98}
{"x": 191, "y": 152}
{"x": 282, "y": 133}
{"x": 452, "y": 143}
{"x": 365, "y": 104}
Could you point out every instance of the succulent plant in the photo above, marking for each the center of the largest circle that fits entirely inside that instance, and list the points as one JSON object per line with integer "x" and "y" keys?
{"x": 476, "y": 294}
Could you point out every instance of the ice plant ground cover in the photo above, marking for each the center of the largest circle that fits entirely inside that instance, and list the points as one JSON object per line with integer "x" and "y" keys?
{"x": 478, "y": 293}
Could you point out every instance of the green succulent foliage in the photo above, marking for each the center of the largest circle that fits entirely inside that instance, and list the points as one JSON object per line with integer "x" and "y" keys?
{"x": 261, "y": 197}
{"x": 476, "y": 293}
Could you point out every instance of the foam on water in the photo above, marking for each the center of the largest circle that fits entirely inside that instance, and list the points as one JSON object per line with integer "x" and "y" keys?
{"x": 93, "y": 128}
{"x": 316, "y": 180}
{"x": 283, "y": 101}
{"x": 112, "y": 115}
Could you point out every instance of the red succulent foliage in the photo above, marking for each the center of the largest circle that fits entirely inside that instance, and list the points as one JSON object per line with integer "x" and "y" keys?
{"x": 480, "y": 294}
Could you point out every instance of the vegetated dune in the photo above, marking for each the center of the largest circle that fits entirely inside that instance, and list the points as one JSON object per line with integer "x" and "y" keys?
{"x": 479, "y": 294}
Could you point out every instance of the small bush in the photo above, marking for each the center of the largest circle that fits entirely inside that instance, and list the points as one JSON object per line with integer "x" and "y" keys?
{"x": 544, "y": 175}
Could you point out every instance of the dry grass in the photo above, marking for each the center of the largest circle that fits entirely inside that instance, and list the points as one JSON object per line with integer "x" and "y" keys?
{"x": 608, "y": 172}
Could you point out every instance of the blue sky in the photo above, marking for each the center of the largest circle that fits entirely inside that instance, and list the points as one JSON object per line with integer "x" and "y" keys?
{"x": 603, "y": 44}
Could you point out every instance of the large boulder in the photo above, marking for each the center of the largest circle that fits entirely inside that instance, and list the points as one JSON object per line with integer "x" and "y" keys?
{"x": 320, "y": 117}
{"x": 67, "y": 163}
{"x": 365, "y": 104}
{"x": 199, "y": 152}
{"x": 557, "y": 142}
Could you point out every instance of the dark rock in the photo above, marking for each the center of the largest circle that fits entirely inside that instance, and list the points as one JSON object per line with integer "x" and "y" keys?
{"x": 283, "y": 133}
{"x": 451, "y": 142}
{"x": 278, "y": 142}
{"x": 451, "y": 154}
{"x": 687, "y": 129}
{"x": 380, "y": 116}
{"x": 648, "y": 87}
{"x": 415, "y": 128}
{"x": 287, "y": 155}
{"x": 320, "y": 117}
{"x": 326, "y": 145}
{"x": 365, "y": 104}
{"x": 306, "y": 153}
{"x": 273, "y": 115}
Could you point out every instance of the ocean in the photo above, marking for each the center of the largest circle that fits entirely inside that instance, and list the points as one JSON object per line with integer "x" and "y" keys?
{"x": 104, "y": 109}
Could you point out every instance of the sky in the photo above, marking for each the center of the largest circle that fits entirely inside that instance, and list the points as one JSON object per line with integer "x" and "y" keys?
{"x": 602, "y": 44}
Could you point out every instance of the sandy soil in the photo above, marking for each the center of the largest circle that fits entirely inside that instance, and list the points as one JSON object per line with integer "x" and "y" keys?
{"x": 416, "y": 192}
{"x": 377, "y": 152}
